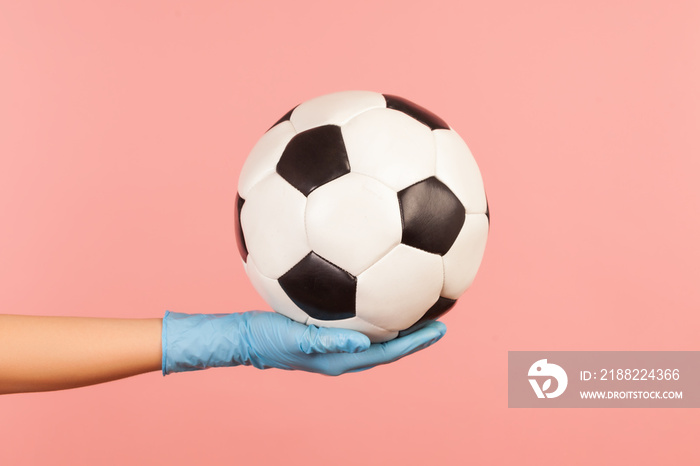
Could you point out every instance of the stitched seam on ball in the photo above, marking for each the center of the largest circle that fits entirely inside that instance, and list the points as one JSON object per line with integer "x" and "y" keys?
{"x": 435, "y": 154}
{"x": 403, "y": 221}
{"x": 360, "y": 113}
{"x": 337, "y": 267}
{"x": 373, "y": 325}
{"x": 306, "y": 226}
{"x": 292, "y": 123}
{"x": 444, "y": 274}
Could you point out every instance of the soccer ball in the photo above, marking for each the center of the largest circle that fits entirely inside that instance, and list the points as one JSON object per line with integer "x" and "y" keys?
{"x": 363, "y": 211}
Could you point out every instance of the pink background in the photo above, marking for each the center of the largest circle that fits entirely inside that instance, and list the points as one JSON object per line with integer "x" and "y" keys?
{"x": 123, "y": 126}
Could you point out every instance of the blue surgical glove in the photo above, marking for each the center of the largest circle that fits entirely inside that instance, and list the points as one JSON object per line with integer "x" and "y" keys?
{"x": 268, "y": 339}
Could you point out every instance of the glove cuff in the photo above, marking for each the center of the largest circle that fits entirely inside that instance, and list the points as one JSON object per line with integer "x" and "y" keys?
{"x": 199, "y": 341}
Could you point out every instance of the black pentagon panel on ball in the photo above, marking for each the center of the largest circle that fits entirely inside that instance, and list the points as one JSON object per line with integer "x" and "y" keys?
{"x": 285, "y": 117}
{"x": 240, "y": 239}
{"x": 314, "y": 157}
{"x": 321, "y": 289}
{"x": 421, "y": 114}
{"x": 431, "y": 215}
{"x": 437, "y": 310}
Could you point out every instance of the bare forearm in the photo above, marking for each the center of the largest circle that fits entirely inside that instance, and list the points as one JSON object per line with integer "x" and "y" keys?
{"x": 53, "y": 353}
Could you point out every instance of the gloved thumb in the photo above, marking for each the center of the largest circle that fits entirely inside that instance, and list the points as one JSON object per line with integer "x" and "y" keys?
{"x": 332, "y": 340}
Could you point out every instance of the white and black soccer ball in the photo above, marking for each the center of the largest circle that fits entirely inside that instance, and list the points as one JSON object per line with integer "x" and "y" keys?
{"x": 363, "y": 211}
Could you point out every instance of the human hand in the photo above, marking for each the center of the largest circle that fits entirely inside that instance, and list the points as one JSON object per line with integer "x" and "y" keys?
{"x": 268, "y": 339}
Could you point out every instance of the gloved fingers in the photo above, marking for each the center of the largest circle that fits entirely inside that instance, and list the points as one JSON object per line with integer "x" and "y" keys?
{"x": 332, "y": 340}
{"x": 420, "y": 339}
{"x": 390, "y": 351}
